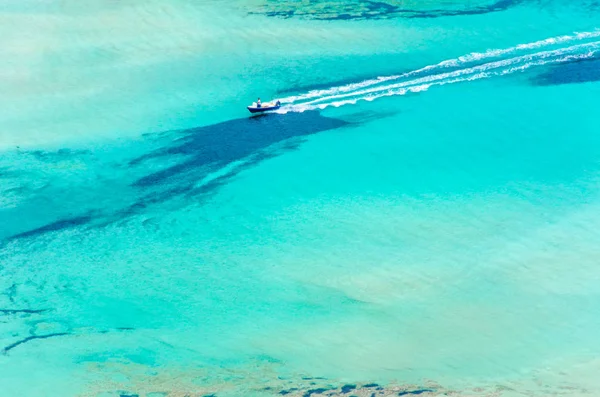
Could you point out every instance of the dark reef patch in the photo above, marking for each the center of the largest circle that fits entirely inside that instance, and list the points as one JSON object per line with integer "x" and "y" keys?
{"x": 415, "y": 392}
{"x": 319, "y": 390}
{"x": 60, "y": 154}
{"x": 215, "y": 146}
{"x": 23, "y": 311}
{"x": 358, "y": 390}
{"x": 54, "y": 226}
{"x": 224, "y": 149}
{"x": 192, "y": 164}
{"x": 579, "y": 71}
{"x": 362, "y": 10}
{"x": 8, "y": 348}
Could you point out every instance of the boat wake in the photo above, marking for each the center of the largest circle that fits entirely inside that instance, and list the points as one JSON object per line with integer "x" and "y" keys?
{"x": 470, "y": 67}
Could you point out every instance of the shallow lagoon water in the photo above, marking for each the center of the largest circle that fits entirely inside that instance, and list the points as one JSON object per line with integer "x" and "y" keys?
{"x": 434, "y": 225}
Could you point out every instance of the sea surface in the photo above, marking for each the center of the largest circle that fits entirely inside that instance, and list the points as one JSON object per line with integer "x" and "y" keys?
{"x": 422, "y": 212}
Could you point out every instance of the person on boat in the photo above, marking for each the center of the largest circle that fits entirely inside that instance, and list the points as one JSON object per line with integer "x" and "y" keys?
{"x": 258, "y": 103}
{"x": 278, "y": 103}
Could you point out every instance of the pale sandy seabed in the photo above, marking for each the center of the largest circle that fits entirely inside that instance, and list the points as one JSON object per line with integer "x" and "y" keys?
{"x": 423, "y": 214}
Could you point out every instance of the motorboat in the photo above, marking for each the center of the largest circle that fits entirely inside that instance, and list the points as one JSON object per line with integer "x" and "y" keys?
{"x": 264, "y": 107}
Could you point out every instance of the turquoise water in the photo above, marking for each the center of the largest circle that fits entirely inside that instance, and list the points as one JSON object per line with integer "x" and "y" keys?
{"x": 422, "y": 210}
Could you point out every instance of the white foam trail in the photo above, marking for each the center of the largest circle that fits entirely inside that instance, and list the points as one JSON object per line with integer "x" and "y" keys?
{"x": 425, "y": 86}
{"x": 475, "y": 56}
{"x": 462, "y": 60}
{"x": 461, "y": 72}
